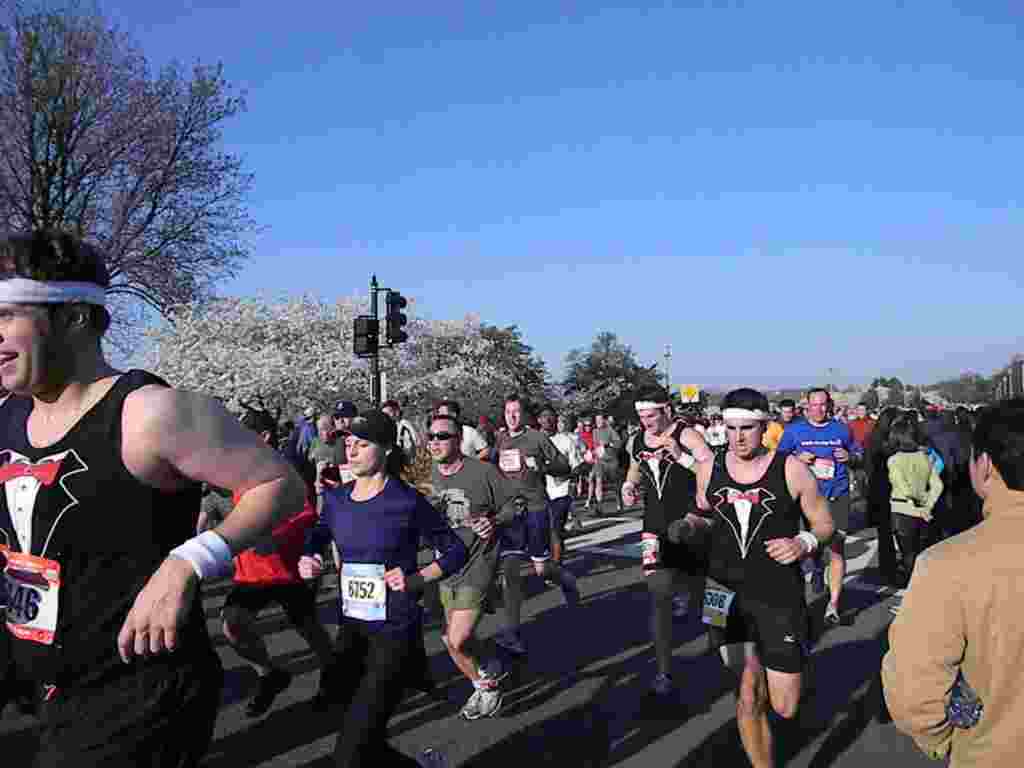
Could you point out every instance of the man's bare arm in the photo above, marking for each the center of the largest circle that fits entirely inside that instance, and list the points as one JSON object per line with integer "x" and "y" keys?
{"x": 804, "y": 488}
{"x": 172, "y": 433}
{"x": 691, "y": 440}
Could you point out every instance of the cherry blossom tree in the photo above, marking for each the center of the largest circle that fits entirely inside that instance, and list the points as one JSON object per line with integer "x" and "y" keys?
{"x": 287, "y": 353}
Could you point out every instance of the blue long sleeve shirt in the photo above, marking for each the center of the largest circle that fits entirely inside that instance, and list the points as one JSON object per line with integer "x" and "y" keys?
{"x": 821, "y": 440}
{"x": 385, "y": 531}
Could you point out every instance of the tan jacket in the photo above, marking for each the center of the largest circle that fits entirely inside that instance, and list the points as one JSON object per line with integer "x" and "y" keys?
{"x": 964, "y": 610}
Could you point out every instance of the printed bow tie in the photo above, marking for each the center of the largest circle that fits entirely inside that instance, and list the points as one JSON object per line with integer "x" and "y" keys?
{"x": 45, "y": 473}
{"x": 752, "y": 496}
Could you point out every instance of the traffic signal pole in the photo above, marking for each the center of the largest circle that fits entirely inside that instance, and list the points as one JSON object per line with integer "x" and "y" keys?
{"x": 366, "y": 332}
{"x": 375, "y": 358}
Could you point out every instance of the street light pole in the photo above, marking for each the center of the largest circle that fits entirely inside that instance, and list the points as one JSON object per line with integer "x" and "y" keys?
{"x": 668, "y": 366}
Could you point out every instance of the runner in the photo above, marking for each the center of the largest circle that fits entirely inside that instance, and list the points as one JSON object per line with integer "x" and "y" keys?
{"x": 757, "y": 616}
{"x": 376, "y": 523}
{"x": 826, "y": 446}
{"x": 525, "y": 456}
{"x": 560, "y": 488}
{"x": 585, "y": 433}
{"x": 607, "y": 443}
{"x": 269, "y": 573}
{"x": 473, "y": 443}
{"x": 101, "y": 472}
{"x": 468, "y": 491}
{"x": 408, "y": 440}
{"x": 658, "y": 475}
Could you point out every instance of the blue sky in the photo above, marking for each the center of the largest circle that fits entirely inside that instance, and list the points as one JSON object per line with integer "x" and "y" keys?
{"x": 773, "y": 188}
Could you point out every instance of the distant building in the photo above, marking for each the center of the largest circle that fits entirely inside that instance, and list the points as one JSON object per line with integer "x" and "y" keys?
{"x": 1010, "y": 381}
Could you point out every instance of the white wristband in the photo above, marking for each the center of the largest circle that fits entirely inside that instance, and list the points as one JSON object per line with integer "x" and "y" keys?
{"x": 809, "y": 539}
{"x": 209, "y": 555}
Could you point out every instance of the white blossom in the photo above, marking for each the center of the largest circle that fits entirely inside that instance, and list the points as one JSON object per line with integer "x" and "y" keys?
{"x": 288, "y": 353}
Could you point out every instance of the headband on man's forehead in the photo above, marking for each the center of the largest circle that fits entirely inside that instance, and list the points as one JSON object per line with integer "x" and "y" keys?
{"x": 744, "y": 414}
{"x": 647, "y": 405}
{"x": 21, "y": 290}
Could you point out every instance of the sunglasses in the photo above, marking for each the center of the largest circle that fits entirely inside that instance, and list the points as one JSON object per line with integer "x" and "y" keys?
{"x": 440, "y": 436}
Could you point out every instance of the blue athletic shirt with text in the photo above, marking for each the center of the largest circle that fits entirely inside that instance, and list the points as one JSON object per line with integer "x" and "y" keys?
{"x": 821, "y": 440}
{"x": 386, "y": 530}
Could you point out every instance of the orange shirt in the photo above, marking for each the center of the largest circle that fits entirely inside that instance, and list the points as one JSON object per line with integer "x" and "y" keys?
{"x": 772, "y": 435}
{"x": 277, "y": 561}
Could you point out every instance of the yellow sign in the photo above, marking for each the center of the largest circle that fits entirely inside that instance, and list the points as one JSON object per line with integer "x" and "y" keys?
{"x": 689, "y": 393}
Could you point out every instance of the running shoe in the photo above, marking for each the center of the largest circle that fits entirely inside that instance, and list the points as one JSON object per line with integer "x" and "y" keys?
{"x": 511, "y": 642}
{"x": 662, "y": 684}
{"x": 270, "y": 685}
{"x": 832, "y": 616}
{"x": 431, "y": 758}
{"x": 680, "y": 606}
{"x": 485, "y": 702}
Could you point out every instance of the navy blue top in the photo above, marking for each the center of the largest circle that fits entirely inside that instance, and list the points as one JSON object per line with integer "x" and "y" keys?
{"x": 387, "y": 530}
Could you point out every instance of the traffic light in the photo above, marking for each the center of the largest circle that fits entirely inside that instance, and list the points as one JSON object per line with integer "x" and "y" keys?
{"x": 366, "y": 338}
{"x": 396, "y": 318}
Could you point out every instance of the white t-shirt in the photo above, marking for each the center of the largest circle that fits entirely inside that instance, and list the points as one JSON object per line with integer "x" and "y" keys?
{"x": 472, "y": 441}
{"x": 569, "y": 446}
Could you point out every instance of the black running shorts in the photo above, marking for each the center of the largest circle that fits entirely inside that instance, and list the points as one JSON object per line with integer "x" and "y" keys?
{"x": 297, "y": 600}
{"x": 159, "y": 713}
{"x": 778, "y": 632}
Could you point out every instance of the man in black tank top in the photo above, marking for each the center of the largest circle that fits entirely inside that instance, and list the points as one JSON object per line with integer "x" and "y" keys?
{"x": 661, "y": 469}
{"x": 755, "y": 612}
{"x": 100, "y": 473}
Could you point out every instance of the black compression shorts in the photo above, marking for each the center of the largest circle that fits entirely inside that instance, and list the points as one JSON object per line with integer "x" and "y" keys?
{"x": 778, "y": 632}
{"x": 297, "y": 600}
{"x": 158, "y": 714}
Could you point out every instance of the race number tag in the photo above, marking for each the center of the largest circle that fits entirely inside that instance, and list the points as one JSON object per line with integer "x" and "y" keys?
{"x": 717, "y": 602}
{"x": 650, "y": 548}
{"x": 363, "y": 592}
{"x": 33, "y": 596}
{"x": 345, "y": 471}
{"x": 823, "y": 469}
{"x": 510, "y": 460}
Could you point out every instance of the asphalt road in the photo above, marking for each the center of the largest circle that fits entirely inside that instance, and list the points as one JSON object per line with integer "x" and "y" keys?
{"x": 580, "y": 699}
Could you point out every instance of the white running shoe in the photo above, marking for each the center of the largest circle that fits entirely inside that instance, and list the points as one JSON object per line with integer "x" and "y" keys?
{"x": 485, "y": 702}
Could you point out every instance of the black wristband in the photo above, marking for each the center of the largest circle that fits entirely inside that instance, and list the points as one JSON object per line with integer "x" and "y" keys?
{"x": 414, "y": 582}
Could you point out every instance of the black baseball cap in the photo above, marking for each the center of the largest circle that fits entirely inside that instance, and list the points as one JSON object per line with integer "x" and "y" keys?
{"x": 375, "y": 426}
{"x": 345, "y": 409}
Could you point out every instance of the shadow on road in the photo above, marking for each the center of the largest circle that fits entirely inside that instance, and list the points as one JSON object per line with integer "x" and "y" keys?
{"x": 846, "y": 698}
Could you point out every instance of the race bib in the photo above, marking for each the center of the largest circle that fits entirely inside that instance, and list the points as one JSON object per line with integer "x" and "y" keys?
{"x": 510, "y": 460}
{"x": 33, "y": 596}
{"x": 823, "y": 469}
{"x": 650, "y": 547}
{"x": 364, "y": 592}
{"x": 717, "y": 602}
{"x": 600, "y": 451}
{"x": 345, "y": 471}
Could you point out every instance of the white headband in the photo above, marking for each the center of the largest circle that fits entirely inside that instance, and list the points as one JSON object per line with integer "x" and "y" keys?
{"x": 647, "y": 405}
{"x": 21, "y": 290}
{"x": 743, "y": 414}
